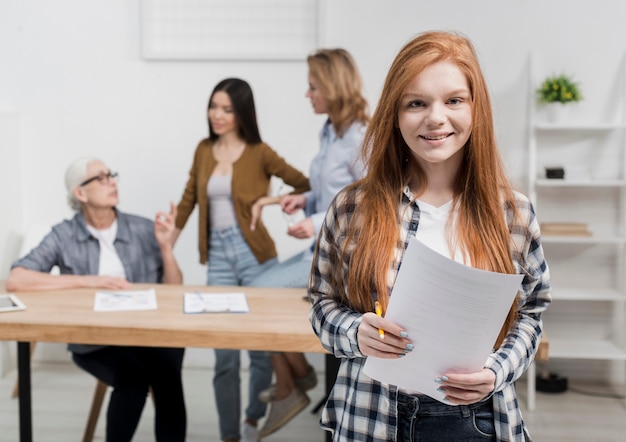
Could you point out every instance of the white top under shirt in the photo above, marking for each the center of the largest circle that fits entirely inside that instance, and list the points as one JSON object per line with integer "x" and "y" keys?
{"x": 432, "y": 228}
{"x": 110, "y": 263}
{"x": 432, "y": 232}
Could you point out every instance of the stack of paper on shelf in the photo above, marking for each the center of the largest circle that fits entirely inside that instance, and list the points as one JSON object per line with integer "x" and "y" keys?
{"x": 565, "y": 229}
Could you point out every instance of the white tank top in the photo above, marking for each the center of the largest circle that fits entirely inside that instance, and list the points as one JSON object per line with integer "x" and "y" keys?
{"x": 432, "y": 229}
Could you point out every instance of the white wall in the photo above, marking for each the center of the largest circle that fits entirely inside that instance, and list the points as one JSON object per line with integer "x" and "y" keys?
{"x": 71, "y": 70}
{"x": 10, "y": 183}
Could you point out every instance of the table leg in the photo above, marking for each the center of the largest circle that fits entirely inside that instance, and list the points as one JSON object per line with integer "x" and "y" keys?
{"x": 23, "y": 373}
{"x": 332, "y": 368}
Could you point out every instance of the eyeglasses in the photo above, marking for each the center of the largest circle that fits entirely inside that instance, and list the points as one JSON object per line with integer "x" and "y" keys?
{"x": 103, "y": 178}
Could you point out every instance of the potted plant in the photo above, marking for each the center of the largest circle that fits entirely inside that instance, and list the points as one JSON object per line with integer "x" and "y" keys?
{"x": 556, "y": 92}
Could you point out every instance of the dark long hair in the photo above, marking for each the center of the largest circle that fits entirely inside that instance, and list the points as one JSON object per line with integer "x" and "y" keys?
{"x": 240, "y": 94}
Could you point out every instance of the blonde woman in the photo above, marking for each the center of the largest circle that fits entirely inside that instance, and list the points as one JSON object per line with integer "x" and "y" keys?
{"x": 335, "y": 90}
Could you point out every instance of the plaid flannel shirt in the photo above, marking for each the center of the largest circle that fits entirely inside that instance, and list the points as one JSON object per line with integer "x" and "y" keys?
{"x": 360, "y": 408}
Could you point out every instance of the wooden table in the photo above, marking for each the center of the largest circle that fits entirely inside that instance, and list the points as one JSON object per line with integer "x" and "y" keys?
{"x": 277, "y": 321}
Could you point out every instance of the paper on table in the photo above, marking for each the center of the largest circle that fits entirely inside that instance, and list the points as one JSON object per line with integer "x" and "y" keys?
{"x": 452, "y": 313}
{"x": 215, "y": 303}
{"x": 10, "y": 302}
{"x": 108, "y": 301}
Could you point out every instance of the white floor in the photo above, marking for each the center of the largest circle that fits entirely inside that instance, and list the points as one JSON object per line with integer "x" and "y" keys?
{"x": 62, "y": 394}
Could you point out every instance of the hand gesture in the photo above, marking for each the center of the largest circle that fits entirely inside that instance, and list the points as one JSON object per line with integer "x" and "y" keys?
{"x": 292, "y": 203}
{"x": 164, "y": 226}
{"x": 304, "y": 229}
{"x": 257, "y": 208}
{"x": 391, "y": 344}
{"x": 469, "y": 388}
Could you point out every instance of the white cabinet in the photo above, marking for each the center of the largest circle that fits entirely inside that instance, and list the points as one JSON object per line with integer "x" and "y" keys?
{"x": 587, "y": 266}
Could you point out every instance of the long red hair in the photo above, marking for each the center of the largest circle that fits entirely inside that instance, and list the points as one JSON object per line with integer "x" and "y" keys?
{"x": 482, "y": 189}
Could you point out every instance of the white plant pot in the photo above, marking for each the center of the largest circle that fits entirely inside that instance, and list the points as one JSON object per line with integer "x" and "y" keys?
{"x": 557, "y": 112}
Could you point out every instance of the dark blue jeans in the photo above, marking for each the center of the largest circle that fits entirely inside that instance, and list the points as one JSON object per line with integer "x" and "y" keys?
{"x": 133, "y": 372}
{"x": 421, "y": 418}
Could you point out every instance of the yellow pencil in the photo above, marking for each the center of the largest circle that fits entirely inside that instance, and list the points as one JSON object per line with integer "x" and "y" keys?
{"x": 379, "y": 313}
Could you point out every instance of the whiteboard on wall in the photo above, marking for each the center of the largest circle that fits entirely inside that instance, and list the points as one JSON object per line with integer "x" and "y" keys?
{"x": 228, "y": 29}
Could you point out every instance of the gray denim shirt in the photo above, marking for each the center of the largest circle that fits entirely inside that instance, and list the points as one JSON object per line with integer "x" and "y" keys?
{"x": 72, "y": 248}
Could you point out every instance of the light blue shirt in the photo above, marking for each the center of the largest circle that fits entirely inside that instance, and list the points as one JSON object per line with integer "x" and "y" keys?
{"x": 336, "y": 165}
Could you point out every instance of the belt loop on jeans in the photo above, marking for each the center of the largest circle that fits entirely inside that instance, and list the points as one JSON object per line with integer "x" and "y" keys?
{"x": 465, "y": 411}
{"x": 410, "y": 403}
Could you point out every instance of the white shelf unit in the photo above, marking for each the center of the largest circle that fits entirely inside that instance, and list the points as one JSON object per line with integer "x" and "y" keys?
{"x": 586, "y": 320}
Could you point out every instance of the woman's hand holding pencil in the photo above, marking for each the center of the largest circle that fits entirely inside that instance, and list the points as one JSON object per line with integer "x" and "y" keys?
{"x": 382, "y": 338}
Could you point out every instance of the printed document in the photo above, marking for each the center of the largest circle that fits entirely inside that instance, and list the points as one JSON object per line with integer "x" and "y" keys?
{"x": 215, "y": 303}
{"x": 451, "y": 312}
{"x": 109, "y": 301}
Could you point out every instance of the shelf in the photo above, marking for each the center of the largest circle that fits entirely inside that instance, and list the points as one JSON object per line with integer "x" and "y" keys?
{"x": 578, "y": 127}
{"x": 571, "y": 239}
{"x": 556, "y": 182}
{"x": 584, "y": 349}
{"x": 587, "y": 320}
{"x": 561, "y": 293}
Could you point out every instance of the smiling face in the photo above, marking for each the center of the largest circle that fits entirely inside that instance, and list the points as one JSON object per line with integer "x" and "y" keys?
{"x": 222, "y": 114}
{"x": 435, "y": 115}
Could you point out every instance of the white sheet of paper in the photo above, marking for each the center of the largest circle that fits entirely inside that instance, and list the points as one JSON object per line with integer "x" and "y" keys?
{"x": 452, "y": 313}
{"x": 10, "y": 302}
{"x": 109, "y": 301}
{"x": 215, "y": 303}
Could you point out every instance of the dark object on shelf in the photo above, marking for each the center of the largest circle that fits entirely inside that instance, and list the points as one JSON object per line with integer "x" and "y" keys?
{"x": 555, "y": 172}
{"x": 553, "y": 383}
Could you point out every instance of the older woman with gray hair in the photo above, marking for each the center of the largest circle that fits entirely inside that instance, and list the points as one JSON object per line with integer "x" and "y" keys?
{"x": 102, "y": 247}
